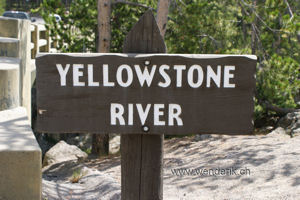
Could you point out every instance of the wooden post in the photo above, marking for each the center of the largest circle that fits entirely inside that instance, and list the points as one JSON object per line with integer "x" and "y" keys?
{"x": 142, "y": 154}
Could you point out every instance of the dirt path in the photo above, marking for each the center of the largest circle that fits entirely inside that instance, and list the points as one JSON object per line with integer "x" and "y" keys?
{"x": 272, "y": 164}
{"x": 272, "y": 161}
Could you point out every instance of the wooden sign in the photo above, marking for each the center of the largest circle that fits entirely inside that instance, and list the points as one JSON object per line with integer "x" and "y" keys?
{"x": 148, "y": 93}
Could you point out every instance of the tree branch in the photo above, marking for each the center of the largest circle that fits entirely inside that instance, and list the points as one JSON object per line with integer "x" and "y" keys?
{"x": 257, "y": 34}
{"x": 289, "y": 9}
{"x": 278, "y": 110}
{"x": 216, "y": 42}
{"x": 260, "y": 19}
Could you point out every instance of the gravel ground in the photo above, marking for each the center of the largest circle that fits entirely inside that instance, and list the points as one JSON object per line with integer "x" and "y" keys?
{"x": 272, "y": 164}
{"x": 93, "y": 185}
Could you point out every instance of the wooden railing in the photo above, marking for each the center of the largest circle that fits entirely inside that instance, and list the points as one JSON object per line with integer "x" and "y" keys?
{"x": 40, "y": 40}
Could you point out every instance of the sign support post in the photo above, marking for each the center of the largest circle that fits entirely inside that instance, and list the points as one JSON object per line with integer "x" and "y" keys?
{"x": 143, "y": 94}
{"x": 142, "y": 154}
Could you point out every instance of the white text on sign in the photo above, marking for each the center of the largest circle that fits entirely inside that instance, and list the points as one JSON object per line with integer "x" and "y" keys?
{"x": 118, "y": 116}
{"x": 221, "y": 77}
{"x": 125, "y": 75}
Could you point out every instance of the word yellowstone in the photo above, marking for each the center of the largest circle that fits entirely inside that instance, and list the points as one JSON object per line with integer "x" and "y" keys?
{"x": 149, "y": 93}
{"x": 126, "y": 74}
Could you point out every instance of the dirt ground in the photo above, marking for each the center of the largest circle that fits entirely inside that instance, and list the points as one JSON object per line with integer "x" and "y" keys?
{"x": 271, "y": 165}
{"x": 237, "y": 167}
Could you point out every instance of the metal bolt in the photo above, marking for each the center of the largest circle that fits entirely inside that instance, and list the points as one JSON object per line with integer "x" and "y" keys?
{"x": 145, "y": 128}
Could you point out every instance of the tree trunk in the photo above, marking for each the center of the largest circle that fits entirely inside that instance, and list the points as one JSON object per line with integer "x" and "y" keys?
{"x": 162, "y": 15}
{"x": 104, "y": 12}
{"x": 244, "y": 28}
{"x": 100, "y": 144}
{"x": 253, "y": 33}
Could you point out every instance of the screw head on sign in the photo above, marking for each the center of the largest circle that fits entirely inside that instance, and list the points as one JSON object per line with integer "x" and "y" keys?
{"x": 145, "y": 128}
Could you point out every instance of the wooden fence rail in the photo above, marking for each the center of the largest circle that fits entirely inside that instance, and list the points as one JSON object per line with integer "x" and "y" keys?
{"x": 40, "y": 40}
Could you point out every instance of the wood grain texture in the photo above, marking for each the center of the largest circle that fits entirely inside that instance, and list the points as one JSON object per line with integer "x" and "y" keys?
{"x": 87, "y": 109}
{"x": 142, "y": 155}
{"x": 144, "y": 37}
{"x": 142, "y": 167}
{"x": 104, "y": 30}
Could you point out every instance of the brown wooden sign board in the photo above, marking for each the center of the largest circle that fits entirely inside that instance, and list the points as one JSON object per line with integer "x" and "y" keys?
{"x": 145, "y": 93}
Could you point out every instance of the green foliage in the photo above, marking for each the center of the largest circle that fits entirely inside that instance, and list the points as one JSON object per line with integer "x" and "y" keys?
{"x": 123, "y": 17}
{"x": 2, "y": 6}
{"x": 239, "y": 27}
{"x": 201, "y": 27}
{"x": 77, "y": 32}
{"x": 88, "y": 151}
{"x": 77, "y": 175}
{"x": 278, "y": 81}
